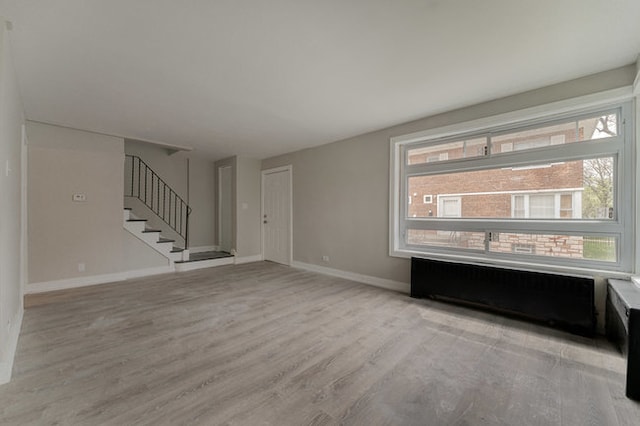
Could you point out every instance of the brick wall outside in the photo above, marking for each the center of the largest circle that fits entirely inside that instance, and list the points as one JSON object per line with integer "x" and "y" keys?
{"x": 551, "y": 177}
{"x": 558, "y": 176}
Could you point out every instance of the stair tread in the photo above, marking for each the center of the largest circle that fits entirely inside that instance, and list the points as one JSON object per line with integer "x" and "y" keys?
{"x": 136, "y": 220}
{"x": 128, "y": 208}
{"x": 150, "y": 230}
{"x": 166, "y": 240}
{"x": 177, "y": 250}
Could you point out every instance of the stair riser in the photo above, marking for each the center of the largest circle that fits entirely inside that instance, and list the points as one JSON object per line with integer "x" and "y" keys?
{"x": 151, "y": 239}
{"x": 135, "y": 227}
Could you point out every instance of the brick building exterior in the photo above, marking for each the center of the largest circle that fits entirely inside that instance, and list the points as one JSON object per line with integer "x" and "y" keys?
{"x": 543, "y": 191}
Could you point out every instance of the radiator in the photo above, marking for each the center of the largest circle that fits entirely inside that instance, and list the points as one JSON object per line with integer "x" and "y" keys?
{"x": 562, "y": 301}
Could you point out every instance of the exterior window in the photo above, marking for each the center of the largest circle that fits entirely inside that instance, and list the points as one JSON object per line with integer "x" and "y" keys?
{"x": 518, "y": 206}
{"x": 546, "y": 191}
{"x": 545, "y": 205}
{"x": 449, "y": 207}
{"x": 541, "y": 206}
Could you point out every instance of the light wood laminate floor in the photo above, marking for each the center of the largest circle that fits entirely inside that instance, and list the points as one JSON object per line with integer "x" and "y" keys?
{"x": 264, "y": 344}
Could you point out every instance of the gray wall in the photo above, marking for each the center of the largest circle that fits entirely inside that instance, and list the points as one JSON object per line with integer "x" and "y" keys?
{"x": 227, "y": 162}
{"x": 63, "y": 233}
{"x": 11, "y": 120}
{"x": 201, "y": 190}
{"x": 341, "y": 190}
{"x": 248, "y": 227}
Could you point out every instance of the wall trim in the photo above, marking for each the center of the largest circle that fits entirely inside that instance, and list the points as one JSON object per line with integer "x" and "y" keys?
{"x": 6, "y": 362}
{"x": 201, "y": 249}
{"x": 248, "y": 259}
{"x": 64, "y": 284}
{"x": 353, "y": 276}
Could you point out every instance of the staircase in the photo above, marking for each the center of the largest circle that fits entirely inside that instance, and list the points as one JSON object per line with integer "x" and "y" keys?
{"x": 169, "y": 211}
{"x": 153, "y": 238}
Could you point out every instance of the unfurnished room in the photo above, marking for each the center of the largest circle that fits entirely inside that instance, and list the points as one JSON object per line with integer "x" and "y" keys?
{"x": 419, "y": 212}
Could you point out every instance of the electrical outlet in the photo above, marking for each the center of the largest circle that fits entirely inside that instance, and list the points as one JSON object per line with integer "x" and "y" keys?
{"x": 79, "y": 197}
{"x": 325, "y": 258}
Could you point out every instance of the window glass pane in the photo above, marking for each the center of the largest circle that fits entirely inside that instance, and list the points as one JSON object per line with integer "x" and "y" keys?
{"x": 581, "y": 189}
{"x": 541, "y": 206}
{"x": 536, "y": 138}
{"x": 566, "y": 205}
{"x": 457, "y": 239}
{"x": 569, "y": 246}
{"x": 597, "y": 198}
{"x": 518, "y": 206}
{"x": 598, "y": 127}
{"x": 447, "y": 151}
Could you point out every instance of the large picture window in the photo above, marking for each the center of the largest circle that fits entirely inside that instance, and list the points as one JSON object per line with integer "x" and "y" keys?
{"x": 556, "y": 190}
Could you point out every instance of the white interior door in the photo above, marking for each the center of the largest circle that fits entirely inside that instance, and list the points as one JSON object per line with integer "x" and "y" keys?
{"x": 276, "y": 215}
{"x": 225, "y": 208}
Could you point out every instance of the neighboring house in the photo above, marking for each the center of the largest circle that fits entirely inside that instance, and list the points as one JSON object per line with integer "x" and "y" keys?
{"x": 540, "y": 191}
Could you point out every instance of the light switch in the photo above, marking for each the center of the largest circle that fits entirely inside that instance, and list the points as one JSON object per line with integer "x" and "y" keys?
{"x": 79, "y": 198}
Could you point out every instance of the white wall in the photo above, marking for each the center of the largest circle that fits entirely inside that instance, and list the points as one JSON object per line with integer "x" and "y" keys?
{"x": 67, "y": 236}
{"x": 341, "y": 190}
{"x": 11, "y": 121}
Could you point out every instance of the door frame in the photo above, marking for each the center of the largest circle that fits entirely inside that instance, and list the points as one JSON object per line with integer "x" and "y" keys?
{"x": 288, "y": 169}
{"x": 220, "y": 207}
{"x": 24, "y": 235}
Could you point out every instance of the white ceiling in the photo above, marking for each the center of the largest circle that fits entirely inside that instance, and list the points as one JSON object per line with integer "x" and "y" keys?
{"x": 261, "y": 78}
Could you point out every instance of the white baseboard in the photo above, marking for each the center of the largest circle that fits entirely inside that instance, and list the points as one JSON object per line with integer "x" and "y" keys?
{"x": 248, "y": 259}
{"x": 147, "y": 272}
{"x": 200, "y": 264}
{"x": 203, "y": 249}
{"x": 45, "y": 286}
{"x": 8, "y": 355}
{"x": 365, "y": 279}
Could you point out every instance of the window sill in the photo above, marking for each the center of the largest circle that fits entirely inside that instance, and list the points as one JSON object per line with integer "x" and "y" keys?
{"x": 520, "y": 265}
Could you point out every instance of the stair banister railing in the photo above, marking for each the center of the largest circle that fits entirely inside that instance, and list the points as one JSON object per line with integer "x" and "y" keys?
{"x": 160, "y": 198}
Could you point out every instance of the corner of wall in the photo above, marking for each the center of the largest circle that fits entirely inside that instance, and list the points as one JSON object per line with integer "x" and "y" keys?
{"x": 9, "y": 352}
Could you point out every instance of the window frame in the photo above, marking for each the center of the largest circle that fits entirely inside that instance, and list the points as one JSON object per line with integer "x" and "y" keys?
{"x": 620, "y": 147}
